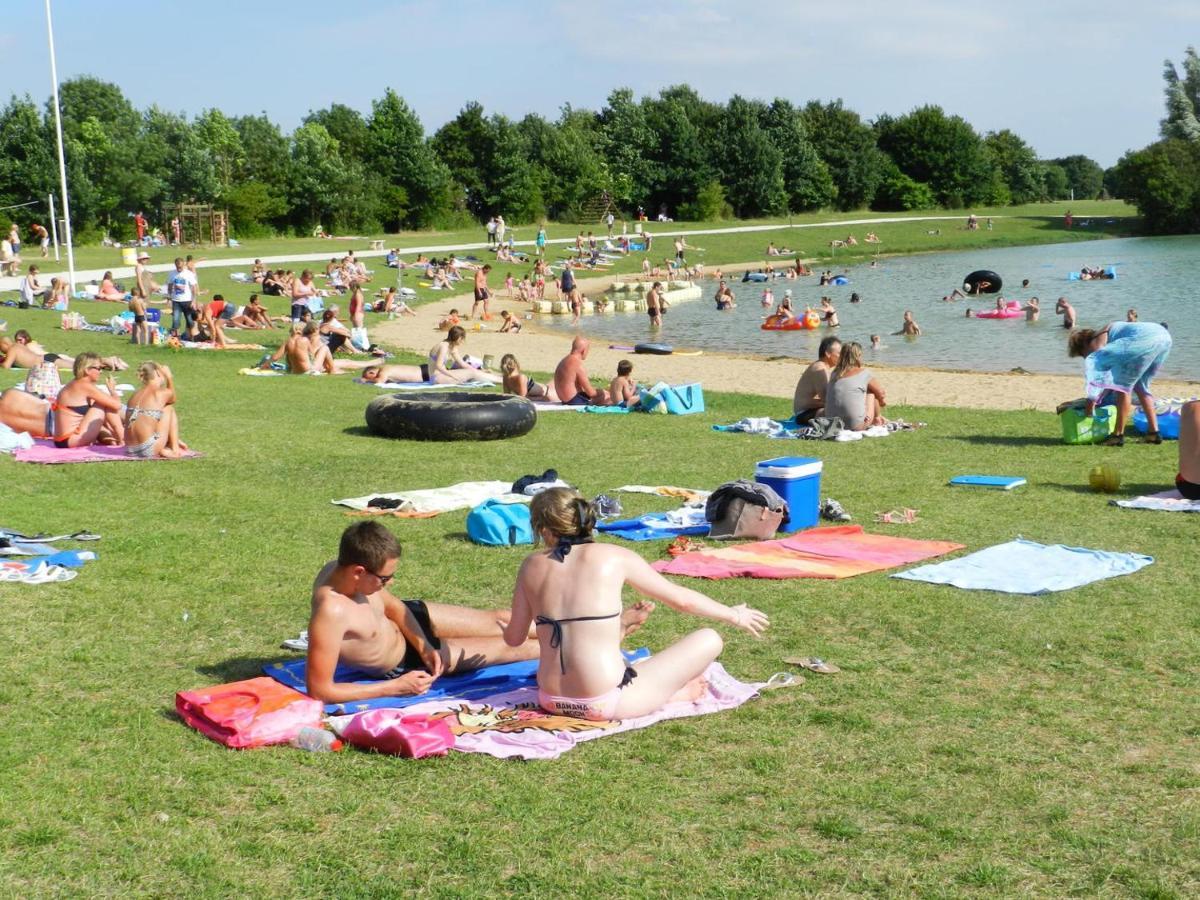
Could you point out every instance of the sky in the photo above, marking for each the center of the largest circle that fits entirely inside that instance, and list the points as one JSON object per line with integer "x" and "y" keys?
{"x": 1067, "y": 76}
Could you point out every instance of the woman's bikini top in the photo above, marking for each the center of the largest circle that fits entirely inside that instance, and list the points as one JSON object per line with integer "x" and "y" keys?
{"x": 556, "y": 632}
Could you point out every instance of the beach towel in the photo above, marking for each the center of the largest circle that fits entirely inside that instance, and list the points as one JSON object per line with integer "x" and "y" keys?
{"x": 511, "y": 725}
{"x": 1026, "y": 567}
{"x": 653, "y": 527}
{"x": 1164, "y": 501}
{"x": 45, "y": 453}
{"x": 425, "y": 385}
{"x": 464, "y": 495}
{"x": 260, "y": 373}
{"x": 460, "y": 686}
{"x": 838, "y": 552}
{"x": 607, "y": 410}
{"x": 543, "y": 406}
{"x": 14, "y": 440}
{"x": 690, "y": 496}
{"x": 43, "y": 569}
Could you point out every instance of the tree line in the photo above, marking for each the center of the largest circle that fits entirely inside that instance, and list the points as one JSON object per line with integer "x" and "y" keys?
{"x": 676, "y": 151}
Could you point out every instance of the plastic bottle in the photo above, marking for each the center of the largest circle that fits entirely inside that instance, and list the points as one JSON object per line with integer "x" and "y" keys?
{"x": 316, "y": 740}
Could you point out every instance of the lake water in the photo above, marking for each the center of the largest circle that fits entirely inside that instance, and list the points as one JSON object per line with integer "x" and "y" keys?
{"x": 1160, "y": 277}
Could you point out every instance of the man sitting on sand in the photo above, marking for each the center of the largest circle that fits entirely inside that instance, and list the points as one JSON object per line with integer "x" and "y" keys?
{"x": 809, "y": 399}
{"x": 357, "y": 621}
{"x": 571, "y": 381}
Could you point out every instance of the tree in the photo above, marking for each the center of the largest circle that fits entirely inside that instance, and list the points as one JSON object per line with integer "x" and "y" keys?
{"x": 513, "y": 189}
{"x": 1017, "y": 165}
{"x": 466, "y": 145}
{"x": 629, "y": 142}
{"x": 1055, "y": 184}
{"x": 346, "y": 126}
{"x": 806, "y": 178}
{"x": 899, "y": 193}
{"x": 318, "y": 178}
{"x": 680, "y": 163}
{"x": 1183, "y": 98}
{"x": 398, "y": 152}
{"x": 847, "y": 147}
{"x": 578, "y": 168}
{"x": 1163, "y": 181}
{"x": 941, "y": 151}
{"x": 224, "y": 145}
{"x": 750, "y": 164}
{"x": 1084, "y": 176}
{"x": 265, "y": 172}
{"x": 27, "y": 166}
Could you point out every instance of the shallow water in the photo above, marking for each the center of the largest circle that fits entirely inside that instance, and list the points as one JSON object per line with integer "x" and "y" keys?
{"x": 1160, "y": 277}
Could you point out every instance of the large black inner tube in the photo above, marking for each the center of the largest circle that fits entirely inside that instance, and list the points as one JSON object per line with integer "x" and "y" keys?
{"x": 658, "y": 349}
{"x": 450, "y": 416}
{"x": 975, "y": 282}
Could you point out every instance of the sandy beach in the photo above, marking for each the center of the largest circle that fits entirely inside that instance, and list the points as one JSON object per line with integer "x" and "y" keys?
{"x": 540, "y": 351}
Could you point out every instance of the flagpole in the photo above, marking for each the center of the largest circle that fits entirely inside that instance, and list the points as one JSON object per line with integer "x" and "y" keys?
{"x": 62, "y": 160}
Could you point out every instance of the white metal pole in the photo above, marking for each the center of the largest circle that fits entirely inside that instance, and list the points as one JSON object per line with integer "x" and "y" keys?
{"x": 62, "y": 160}
{"x": 53, "y": 226}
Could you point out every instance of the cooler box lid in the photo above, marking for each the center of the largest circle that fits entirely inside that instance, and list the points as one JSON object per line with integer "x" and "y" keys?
{"x": 788, "y": 467}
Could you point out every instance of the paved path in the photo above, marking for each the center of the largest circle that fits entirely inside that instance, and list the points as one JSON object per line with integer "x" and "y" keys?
{"x": 82, "y": 276}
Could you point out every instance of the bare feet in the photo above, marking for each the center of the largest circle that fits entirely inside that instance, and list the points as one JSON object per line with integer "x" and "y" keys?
{"x": 692, "y": 691}
{"x": 635, "y": 617}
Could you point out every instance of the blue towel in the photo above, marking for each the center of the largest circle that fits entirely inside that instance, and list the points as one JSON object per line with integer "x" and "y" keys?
{"x": 647, "y": 528}
{"x": 1026, "y": 567}
{"x": 461, "y": 686}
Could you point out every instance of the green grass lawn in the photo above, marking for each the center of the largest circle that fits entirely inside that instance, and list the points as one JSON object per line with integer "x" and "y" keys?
{"x": 1045, "y": 217}
{"x": 975, "y": 744}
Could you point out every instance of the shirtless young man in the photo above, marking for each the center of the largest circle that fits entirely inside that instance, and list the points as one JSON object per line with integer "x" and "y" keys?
{"x": 1064, "y": 308}
{"x": 306, "y": 355}
{"x": 482, "y": 295}
{"x": 571, "y": 381}
{"x": 357, "y": 621}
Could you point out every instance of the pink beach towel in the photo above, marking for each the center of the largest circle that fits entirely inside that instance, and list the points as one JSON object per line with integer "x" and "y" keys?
{"x": 46, "y": 453}
{"x": 838, "y": 552}
{"x": 512, "y": 725}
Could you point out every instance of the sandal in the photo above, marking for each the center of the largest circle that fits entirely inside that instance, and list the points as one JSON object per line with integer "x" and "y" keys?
{"x": 813, "y": 664}
{"x": 1152, "y": 437}
{"x": 683, "y": 544}
{"x": 781, "y": 680}
{"x": 1113, "y": 440}
{"x": 904, "y": 516}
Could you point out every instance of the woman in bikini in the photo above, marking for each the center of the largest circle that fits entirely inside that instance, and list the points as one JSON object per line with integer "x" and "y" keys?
{"x": 571, "y": 592}
{"x": 151, "y": 424}
{"x": 87, "y": 413}
{"x": 447, "y": 366}
{"x": 517, "y": 382}
{"x": 109, "y": 290}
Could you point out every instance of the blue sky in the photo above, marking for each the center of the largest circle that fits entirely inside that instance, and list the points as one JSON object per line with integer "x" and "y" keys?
{"x": 1069, "y": 76}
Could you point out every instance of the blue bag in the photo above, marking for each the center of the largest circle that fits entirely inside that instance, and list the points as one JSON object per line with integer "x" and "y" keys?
{"x": 500, "y": 524}
{"x": 684, "y": 399}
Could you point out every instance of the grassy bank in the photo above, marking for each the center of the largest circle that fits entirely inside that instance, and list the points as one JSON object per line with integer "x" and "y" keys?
{"x": 1047, "y": 217}
{"x": 975, "y": 744}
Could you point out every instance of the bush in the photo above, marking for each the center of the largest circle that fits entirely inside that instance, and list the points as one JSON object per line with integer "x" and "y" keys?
{"x": 1163, "y": 181}
{"x": 899, "y": 193}
{"x": 709, "y": 206}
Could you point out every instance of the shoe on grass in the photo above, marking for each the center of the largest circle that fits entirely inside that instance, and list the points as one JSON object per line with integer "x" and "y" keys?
{"x": 834, "y": 511}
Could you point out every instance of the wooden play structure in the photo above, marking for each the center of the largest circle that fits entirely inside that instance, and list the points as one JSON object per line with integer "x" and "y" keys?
{"x": 199, "y": 223}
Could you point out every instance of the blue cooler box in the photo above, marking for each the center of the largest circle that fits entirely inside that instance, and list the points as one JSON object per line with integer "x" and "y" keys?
{"x": 797, "y": 479}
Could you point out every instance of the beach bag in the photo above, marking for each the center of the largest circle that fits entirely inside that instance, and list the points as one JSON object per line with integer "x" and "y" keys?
{"x": 43, "y": 381}
{"x": 651, "y": 400}
{"x": 250, "y": 713}
{"x": 684, "y": 399}
{"x": 359, "y": 339}
{"x": 392, "y": 731}
{"x": 498, "y": 524}
{"x": 1079, "y": 428}
{"x": 744, "y": 509}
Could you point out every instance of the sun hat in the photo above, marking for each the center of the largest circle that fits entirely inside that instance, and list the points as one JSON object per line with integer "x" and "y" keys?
{"x": 143, "y": 255}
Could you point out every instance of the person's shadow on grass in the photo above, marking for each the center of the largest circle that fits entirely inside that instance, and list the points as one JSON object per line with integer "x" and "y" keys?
{"x": 1010, "y": 440}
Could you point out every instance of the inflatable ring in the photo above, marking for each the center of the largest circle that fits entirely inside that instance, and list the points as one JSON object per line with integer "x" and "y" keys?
{"x": 450, "y": 416}
{"x": 972, "y": 281}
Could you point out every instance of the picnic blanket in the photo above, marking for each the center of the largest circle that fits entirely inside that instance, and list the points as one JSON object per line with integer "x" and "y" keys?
{"x": 841, "y": 551}
{"x": 1164, "y": 501}
{"x": 512, "y": 725}
{"x": 464, "y": 495}
{"x": 45, "y": 453}
{"x": 1026, "y": 567}
{"x": 654, "y": 526}
{"x": 461, "y": 686}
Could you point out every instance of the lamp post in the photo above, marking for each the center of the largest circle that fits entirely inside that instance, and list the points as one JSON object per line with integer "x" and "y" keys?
{"x": 62, "y": 160}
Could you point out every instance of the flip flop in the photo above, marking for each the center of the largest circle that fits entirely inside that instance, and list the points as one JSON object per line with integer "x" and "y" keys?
{"x": 297, "y": 643}
{"x": 813, "y": 664}
{"x": 781, "y": 680}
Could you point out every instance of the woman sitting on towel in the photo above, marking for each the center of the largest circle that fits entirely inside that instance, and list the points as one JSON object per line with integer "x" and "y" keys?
{"x": 87, "y": 413}
{"x": 447, "y": 364}
{"x": 853, "y": 394}
{"x": 517, "y": 382}
{"x": 151, "y": 425}
{"x": 1120, "y": 360}
{"x": 571, "y": 591}
{"x": 109, "y": 290}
